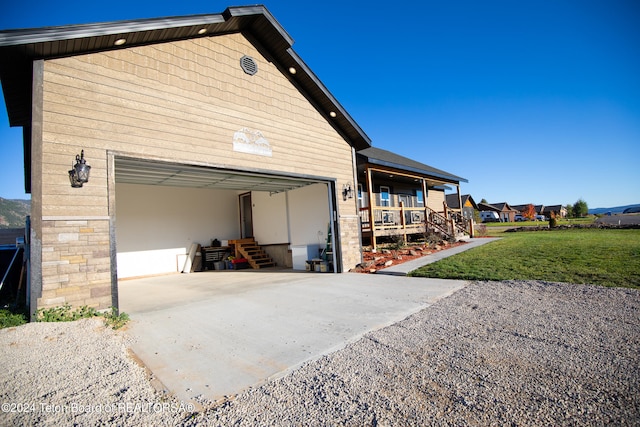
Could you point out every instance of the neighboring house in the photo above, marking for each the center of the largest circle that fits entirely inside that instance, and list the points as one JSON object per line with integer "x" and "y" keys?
{"x": 543, "y": 210}
{"x": 196, "y": 128}
{"x": 469, "y": 206}
{"x": 505, "y": 212}
{"x": 559, "y": 210}
{"x": 403, "y": 197}
{"x": 539, "y": 209}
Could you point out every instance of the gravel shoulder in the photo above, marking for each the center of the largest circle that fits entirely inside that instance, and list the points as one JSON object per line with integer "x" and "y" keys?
{"x": 493, "y": 353}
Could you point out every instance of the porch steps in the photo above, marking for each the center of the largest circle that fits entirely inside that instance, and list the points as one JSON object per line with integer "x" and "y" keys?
{"x": 253, "y": 253}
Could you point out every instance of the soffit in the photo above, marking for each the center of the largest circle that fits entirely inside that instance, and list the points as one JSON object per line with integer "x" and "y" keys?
{"x": 135, "y": 171}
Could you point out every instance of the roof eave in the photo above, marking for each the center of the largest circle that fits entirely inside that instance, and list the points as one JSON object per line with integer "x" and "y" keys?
{"x": 72, "y": 32}
{"x": 329, "y": 104}
{"x": 451, "y": 178}
{"x": 256, "y": 21}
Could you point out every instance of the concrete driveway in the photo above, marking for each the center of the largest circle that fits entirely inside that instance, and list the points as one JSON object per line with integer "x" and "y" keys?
{"x": 211, "y": 334}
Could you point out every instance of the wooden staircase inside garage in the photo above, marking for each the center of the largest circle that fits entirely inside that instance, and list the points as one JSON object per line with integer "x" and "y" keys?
{"x": 252, "y": 252}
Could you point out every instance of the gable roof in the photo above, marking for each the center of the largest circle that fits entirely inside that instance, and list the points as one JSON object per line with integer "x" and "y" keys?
{"x": 452, "y": 200}
{"x": 554, "y": 208}
{"x": 496, "y": 207}
{"x": 386, "y": 158}
{"x": 503, "y": 207}
{"x": 19, "y": 48}
{"x": 487, "y": 207}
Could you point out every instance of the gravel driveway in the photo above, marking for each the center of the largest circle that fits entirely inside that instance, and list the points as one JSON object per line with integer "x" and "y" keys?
{"x": 493, "y": 353}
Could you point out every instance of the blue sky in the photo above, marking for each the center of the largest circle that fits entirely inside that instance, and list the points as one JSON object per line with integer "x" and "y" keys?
{"x": 532, "y": 102}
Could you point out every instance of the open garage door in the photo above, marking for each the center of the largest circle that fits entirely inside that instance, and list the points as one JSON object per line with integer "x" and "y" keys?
{"x": 178, "y": 175}
{"x": 162, "y": 208}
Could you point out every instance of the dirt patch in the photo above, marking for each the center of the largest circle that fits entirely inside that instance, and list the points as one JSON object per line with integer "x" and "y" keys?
{"x": 385, "y": 257}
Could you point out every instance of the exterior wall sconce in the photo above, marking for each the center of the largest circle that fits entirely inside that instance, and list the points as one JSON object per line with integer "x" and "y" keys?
{"x": 347, "y": 191}
{"x": 79, "y": 173}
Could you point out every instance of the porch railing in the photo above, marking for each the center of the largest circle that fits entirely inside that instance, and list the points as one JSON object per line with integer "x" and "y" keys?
{"x": 389, "y": 220}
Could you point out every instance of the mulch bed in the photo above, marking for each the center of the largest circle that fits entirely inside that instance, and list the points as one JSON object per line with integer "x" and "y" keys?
{"x": 383, "y": 258}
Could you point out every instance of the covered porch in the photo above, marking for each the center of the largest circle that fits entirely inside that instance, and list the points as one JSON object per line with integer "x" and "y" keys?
{"x": 401, "y": 198}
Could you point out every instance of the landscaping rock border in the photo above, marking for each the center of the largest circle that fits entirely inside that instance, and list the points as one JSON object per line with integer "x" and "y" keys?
{"x": 373, "y": 261}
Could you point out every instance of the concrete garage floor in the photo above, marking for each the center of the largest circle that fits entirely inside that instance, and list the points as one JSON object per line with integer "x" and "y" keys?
{"x": 211, "y": 334}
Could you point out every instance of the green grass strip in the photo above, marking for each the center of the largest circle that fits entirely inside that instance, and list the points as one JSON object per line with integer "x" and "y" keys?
{"x": 601, "y": 257}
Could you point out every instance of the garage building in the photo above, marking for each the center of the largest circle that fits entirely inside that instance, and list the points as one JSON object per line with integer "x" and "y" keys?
{"x": 195, "y": 128}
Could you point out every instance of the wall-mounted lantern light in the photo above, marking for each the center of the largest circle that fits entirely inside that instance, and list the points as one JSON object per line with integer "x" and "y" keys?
{"x": 79, "y": 174}
{"x": 347, "y": 191}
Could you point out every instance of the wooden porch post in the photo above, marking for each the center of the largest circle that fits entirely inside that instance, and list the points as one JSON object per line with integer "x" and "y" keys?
{"x": 424, "y": 200}
{"x": 372, "y": 224}
{"x": 449, "y": 218}
{"x": 461, "y": 209}
{"x": 403, "y": 222}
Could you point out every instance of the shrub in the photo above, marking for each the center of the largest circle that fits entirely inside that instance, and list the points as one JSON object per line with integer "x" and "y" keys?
{"x": 397, "y": 242}
{"x": 9, "y": 319}
{"x": 114, "y": 319}
{"x": 553, "y": 221}
{"x": 432, "y": 239}
{"x": 66, "y": 313}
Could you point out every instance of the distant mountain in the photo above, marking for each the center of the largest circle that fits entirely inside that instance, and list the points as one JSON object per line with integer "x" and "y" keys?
{"x": 617, "y": 209}
{"x": 14, "y": 212}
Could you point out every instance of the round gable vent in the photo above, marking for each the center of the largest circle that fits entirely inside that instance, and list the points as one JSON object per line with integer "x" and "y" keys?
{"x": 249, "y": 65}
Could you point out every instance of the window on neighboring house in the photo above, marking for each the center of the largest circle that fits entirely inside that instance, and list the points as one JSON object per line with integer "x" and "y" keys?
{"x": 420, "y": 197}
{"x": 384, "y": 196}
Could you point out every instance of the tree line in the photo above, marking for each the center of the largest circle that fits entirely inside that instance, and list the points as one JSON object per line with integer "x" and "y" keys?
{"x": 578, "y": 209}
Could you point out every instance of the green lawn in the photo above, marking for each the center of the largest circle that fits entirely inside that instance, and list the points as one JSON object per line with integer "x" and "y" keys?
{"x": 602, "y": 257}
{"x": 497, "y": 229}
{"x": 561, "y": 221}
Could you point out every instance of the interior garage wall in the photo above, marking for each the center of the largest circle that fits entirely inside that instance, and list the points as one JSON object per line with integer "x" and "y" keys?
{"x": 155, "y": 225}
{"x": 309, "y": 215}
{"x": 270, "y": 218}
